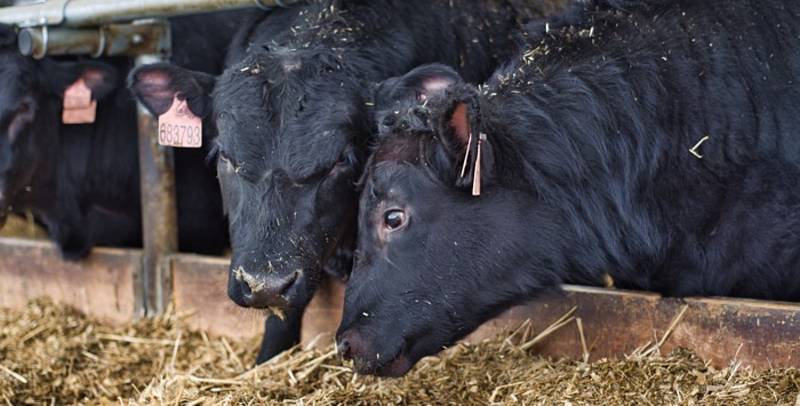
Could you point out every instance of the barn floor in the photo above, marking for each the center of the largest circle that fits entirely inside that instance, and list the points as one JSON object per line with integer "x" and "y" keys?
{"x": 54, "y": 355}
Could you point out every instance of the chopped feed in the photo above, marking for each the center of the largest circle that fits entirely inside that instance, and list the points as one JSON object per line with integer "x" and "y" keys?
{"x": 22, "y": 227}
{"x": 50, "y": 354}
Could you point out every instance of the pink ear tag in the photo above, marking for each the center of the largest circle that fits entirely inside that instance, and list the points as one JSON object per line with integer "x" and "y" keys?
{"x": 79, "y": 108}
{"x": 179, "y": 127}
{"x": 476, "y": 175}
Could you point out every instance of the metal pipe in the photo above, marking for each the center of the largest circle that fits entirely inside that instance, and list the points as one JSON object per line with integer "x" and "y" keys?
{"x": 76, "y": 13}
{"x": 159, "y": 210}
{"x": 140, "y": 38}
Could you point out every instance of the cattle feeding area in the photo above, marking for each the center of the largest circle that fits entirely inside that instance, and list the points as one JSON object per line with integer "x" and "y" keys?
{"x": 433, "y": 191}
{"x": 52, "y": 354}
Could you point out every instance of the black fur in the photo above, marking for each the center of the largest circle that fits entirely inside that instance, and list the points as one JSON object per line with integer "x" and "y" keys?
{"x": 586, "y": 169}
{"x": 293, "y": 116}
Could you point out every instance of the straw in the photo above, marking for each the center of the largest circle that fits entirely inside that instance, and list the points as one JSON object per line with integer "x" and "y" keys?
{"x": 72, "y": 359}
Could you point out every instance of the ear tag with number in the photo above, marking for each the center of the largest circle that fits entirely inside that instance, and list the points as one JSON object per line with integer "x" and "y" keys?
{"x": 179, "y": 127}
{"x": 79, "y": 108}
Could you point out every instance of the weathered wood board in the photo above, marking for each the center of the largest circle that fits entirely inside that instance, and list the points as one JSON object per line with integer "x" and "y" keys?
{"x": 200, "y": 285}
{"x": 615, "y": 322}
{"x": 101, "y": 285}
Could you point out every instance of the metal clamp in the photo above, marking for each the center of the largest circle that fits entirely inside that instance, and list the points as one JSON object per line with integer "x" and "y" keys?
{"x": 54, "y": 16}
{"x": 101, "y": 47}
{"x": 45, "y": 41}
{"x": 63, "y": 15}
{"x": 134, "y": 39}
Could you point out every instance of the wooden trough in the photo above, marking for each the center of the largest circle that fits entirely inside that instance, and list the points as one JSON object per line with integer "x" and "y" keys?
{"x": 615, "y": 323}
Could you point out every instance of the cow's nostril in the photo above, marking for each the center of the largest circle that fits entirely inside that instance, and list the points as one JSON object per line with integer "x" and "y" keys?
{"x": 252, "y": 283}
{"x": 289, "y": 282}
{"x": 344, "y": 349}
{"x": 246, "y": 290}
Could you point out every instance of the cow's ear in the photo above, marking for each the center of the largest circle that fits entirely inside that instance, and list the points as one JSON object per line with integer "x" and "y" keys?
{"x": 155, "y": 86}
{"x": 459, "y": 125}
{"x": 470, "y": 150}
{"x": 100, "y": 77}
{"x": 431, "y": 79}
{"x": 420, "y": 83}
{"x": 456, "y": 124}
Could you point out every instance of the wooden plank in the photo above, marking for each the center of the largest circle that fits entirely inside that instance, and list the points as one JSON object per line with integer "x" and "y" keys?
{"x": 615, "y": 322}
{"x": 199, "y": 289}
{"x": 323, "y": 315}
{"x": 200, "y": 285}
{"x": 102, "y": 285}
{"x": 759, "y": 334}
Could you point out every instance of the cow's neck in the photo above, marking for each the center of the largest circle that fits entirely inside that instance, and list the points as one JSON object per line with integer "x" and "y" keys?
{"x": 98, "y": 162}
{"x": 577, "y": 150}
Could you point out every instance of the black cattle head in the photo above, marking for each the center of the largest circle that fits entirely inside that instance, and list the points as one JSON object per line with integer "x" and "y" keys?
{"x": 30, "y": 107}
{"x": 434, "y": 261}
{"x": 290, "y": 130}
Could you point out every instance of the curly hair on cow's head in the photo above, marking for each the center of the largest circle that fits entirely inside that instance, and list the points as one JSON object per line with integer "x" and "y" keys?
{"x": 430, "y": 114}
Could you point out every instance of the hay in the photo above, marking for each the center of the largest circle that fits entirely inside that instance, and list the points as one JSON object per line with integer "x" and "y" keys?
{"x": 23, "y": 227}
{"x": 54, "y": 355}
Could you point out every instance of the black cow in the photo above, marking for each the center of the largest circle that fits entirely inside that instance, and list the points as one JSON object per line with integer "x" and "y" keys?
{"x": 588, "y": 155}
{"x": 293, "y": 116}
{"x": 83, "y": 180}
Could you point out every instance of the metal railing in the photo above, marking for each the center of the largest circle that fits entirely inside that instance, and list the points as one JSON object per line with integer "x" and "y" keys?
{"x": 79, "y": 13}
{"x": 139, "y": 29}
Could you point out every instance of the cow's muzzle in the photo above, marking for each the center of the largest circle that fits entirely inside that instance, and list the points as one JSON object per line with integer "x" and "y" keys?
{"x": 262, "y": 290}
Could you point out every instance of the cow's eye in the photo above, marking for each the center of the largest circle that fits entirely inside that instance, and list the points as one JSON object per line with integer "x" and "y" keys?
{"x": 342, "y": 162}
{"x": 225, "y": 161}
{"x": 389, "y": 121}
{"x": 24, "y": 107}
{"x": 394, "y": 219}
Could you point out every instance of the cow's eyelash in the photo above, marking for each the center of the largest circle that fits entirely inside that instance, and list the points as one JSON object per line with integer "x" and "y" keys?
{"x": 216, "y": 153}
{"x": 213, "y": 153}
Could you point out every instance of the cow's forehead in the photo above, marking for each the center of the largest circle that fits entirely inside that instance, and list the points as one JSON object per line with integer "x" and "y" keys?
{"x": 400, "y": 148}
{"x": 297, "y": 130}
{"x": 276, "y": 116}
{"x": 393, "y": 179}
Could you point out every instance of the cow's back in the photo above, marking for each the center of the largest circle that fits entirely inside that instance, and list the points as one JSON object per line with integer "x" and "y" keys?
{"x": 388, "y": 33}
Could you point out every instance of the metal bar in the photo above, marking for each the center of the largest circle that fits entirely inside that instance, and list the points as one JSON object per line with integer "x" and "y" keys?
{"x": 159, "y": 213}
{"x": 76, "y": 13}
{"x": 140, "y": 38}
